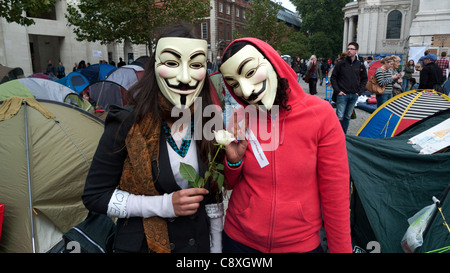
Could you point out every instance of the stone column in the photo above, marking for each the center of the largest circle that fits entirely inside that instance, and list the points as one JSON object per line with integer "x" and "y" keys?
{"x": 351, "y": 30}
{"x": 345, "y": 38}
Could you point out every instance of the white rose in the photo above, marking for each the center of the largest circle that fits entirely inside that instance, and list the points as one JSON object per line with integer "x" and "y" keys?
{"x": 223, "y": 137}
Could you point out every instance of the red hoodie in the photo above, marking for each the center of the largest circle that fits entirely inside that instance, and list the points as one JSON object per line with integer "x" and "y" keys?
{"x": 281, "y": 207}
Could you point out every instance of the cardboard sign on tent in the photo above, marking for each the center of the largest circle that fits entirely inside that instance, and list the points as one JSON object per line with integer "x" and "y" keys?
{"x": 45, "y": 155}
{"x": 402, "y": 111}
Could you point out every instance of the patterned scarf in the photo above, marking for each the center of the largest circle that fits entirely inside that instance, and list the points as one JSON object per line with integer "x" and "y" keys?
{"x": 137, "y": 177}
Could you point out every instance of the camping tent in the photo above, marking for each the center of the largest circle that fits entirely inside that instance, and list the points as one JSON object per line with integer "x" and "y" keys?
{"x": 141, "y": 61}
{"x": 106, "y": 93}
{"x": 96, "y": 72}
{"x": 43, "y": 89}
{"x": 74, "y": 81}
{"x": 123, "y": 76}
{"x": 402, "y": 111}
{"x": 45, "y": 154}
{"x": 139, "y": 70}
{"x": 10, "y": 73}
{"x": 392, "y": 182}
{"x": 43, "y": 76}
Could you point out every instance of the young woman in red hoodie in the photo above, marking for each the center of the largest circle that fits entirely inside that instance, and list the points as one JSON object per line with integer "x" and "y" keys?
{"x": 289, "y": 175}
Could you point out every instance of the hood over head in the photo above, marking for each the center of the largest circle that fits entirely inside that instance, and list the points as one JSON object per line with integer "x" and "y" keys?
{"x": 280, "y": 66}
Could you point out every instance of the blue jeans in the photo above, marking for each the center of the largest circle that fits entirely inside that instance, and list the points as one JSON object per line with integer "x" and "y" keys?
{"x": 383, "y": 98}
{"x": 405, "y": 85}
{"x": 344, "y": 108}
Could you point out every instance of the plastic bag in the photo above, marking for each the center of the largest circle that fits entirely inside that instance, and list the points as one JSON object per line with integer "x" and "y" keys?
{"x": 413, "y": 237}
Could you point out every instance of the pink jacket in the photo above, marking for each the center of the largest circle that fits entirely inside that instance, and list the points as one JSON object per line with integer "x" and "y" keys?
{"x": 281, "y": 207}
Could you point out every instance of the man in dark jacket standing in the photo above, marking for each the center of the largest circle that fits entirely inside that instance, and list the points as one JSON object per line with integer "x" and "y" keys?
{"x": 348, "y": 80}
{"x": 431, "y": 73}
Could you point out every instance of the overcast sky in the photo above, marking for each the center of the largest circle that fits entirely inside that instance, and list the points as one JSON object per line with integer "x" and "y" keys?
{"x": 287, "y": 4}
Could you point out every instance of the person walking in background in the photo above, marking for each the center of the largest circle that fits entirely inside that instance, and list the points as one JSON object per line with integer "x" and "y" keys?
{"x": 50, "y": 68}
{"x": 348, "y": 80}
{"x": 61, "y": 71}
{"x": 324, "y": 68}
{"x": 297, "y": 66}
{"x": 397, "y": 85}
{"x": 81, "y": 64}
{"x": 431, "y": 74}
{"x": 312, "y": 74}
{"x": 368, "y": 62}
{"x": 409, "y": 70}
{"x": 443, "y": 63}
{"x": 121, "y": 62}
{"x": 385, "y": 77}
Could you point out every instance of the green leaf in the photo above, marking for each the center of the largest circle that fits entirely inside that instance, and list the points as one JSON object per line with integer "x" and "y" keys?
{"x": 200, "y": 182}
{"x": 215, "y": 174}
{"x": 207, "y": 174}
{"x": 188, "y": 172}
{"x": 219, "y": 167}
{"x": 220, "y": 182}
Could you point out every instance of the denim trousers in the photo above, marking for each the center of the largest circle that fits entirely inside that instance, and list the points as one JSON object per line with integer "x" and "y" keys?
{"x": 381, "y": 99}
{"x": 405, "y": 85}
{"x": 344, "y": 108}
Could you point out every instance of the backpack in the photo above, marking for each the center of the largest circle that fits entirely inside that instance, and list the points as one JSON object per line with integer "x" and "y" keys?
{"x": 94, "y": 235}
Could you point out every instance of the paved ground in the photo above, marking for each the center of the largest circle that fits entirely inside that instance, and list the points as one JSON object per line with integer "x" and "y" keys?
{"x": 355, "y": 124}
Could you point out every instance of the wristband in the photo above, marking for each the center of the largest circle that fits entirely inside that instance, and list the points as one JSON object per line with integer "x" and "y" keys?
{"x": 235, "y": 164}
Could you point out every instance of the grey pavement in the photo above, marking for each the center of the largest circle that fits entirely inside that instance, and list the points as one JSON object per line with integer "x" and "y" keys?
{"x": 355, "y": 124}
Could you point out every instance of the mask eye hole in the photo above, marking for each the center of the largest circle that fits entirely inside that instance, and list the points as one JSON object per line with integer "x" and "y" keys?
{"x": 250, "y": 73}
{"x": 196, "y": 65}
{"x": 171, "y": 64}
{"x": 233, "y": 83}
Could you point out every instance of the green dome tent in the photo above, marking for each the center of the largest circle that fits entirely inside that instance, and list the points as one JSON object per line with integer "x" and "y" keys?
{"x": 43, "y": 89}
{"x": 46, "y": 149}
{"x": 392, "y": 182}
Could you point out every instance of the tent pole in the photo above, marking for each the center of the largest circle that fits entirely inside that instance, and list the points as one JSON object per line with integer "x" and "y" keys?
{"x": 29, "y": 177}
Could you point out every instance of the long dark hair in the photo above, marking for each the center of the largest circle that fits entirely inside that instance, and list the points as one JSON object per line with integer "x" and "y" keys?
{"x": 146, "y": 96}
{"x": 282, "y": 95}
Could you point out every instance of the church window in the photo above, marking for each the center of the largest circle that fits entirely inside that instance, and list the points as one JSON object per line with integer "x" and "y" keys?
{"x": 394, "y": 25}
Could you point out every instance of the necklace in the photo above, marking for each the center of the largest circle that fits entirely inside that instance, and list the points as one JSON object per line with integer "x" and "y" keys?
{"x": 182, "y": 151}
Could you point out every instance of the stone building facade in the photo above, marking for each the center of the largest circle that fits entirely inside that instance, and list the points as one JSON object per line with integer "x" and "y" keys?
{"x": 30, "y": 47}
{"x": 403, "y": 27}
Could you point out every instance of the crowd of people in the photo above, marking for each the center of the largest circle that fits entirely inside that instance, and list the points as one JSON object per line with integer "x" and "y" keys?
{"x": 433, "y": 73}
{"x": 60, "y": 71}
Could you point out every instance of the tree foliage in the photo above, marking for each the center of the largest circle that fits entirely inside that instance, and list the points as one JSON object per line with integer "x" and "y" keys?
{"x": 322, "y": 20}
{"x": 262, "y": 23}
{"x": 137, "y": 21}
{"x": 296, "y": 45}
{"x": 12, "y": 10}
